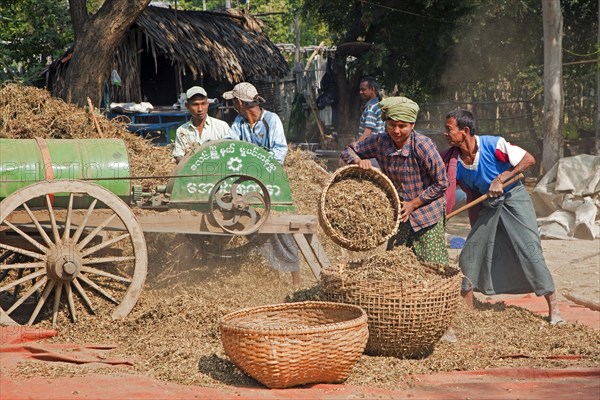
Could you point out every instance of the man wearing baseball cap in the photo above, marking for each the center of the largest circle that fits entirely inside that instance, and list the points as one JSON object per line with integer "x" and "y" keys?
{"x": 201, "y": 127}
{"x": 254, "y": 124}
{"x": 264, "y": 128}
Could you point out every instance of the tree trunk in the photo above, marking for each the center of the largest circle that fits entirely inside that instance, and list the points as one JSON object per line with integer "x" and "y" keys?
{"x": 553, "y": 88}
{"x": 96, "y": 38}
{"x": 598, "y": 91}
{"x": 348, "y": 103}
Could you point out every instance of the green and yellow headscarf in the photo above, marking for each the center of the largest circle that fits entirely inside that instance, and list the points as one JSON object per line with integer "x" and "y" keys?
{"x": 399, "y": 109}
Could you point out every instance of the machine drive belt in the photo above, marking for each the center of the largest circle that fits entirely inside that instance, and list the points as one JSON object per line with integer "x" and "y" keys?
{"x": 45, "y": 151}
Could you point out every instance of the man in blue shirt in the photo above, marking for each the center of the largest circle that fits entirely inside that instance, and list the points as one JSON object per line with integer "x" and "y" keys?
{"x": 370, "y": 121}
{"x": 264, "y": 128}
{"x": 254, "y": 124}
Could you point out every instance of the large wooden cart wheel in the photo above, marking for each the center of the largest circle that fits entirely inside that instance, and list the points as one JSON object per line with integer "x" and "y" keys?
{"x": 93, "y": 257}
{"x": 239, "y": 204}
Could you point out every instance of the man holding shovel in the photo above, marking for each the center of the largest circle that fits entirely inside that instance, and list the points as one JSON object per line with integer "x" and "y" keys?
{"x": 503, "y": 252}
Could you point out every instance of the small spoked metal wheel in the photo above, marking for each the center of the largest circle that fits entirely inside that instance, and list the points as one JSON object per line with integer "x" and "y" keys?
{"x": 70, "y": 241}
{"x": 239, "y": 204}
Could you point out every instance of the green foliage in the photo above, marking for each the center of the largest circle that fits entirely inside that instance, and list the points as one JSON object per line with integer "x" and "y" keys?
{"x": 31, "y": 32}
{"x": 197, "y": 4}
{"x": 412, "y": 39}
{"x": 420, "y": 45}
{"x": 277, "y": 16}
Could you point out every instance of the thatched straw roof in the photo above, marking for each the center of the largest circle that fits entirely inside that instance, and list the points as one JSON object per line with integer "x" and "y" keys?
{"x": 228, "y": 45}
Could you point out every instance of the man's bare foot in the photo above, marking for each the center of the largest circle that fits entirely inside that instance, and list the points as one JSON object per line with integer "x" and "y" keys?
{"x": 553, "y": 313}
{"x": 450, "y": 335}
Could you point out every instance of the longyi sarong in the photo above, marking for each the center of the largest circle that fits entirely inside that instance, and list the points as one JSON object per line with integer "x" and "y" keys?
{"x": 503, "y": 252}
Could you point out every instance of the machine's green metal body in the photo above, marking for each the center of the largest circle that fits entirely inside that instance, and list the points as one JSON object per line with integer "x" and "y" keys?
{"x": 25, "y": 161}
{"x": 216, "y": 160}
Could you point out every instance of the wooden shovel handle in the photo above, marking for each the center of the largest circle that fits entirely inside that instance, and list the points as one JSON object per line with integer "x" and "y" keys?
{"x": 483, "y": 197}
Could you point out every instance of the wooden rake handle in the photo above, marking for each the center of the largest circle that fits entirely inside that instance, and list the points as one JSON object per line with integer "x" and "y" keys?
{"x": 483, "y": 197}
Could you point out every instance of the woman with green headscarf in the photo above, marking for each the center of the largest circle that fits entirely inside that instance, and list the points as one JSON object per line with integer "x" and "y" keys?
{"x": 414, "y": 166}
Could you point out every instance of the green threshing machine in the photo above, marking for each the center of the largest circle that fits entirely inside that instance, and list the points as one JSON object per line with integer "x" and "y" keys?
{"x": 68, "y": 233}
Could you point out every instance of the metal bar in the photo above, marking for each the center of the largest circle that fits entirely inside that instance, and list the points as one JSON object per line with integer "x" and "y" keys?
{"x": 119, "y": 178}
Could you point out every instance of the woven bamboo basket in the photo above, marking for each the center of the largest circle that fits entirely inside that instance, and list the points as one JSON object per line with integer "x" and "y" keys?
{"x": 292, "y": 344}
{"x": 405, "y": 320}
{"x": 374, "y": 175}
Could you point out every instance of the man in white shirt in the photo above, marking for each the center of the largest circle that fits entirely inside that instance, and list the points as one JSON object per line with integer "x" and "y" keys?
{"x": 201, "y": 127}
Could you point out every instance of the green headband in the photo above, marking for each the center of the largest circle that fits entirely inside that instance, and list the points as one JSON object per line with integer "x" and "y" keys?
{"x": 399, "y": 109}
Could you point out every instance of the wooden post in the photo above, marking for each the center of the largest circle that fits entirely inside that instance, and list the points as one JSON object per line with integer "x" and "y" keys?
{"x": 553, "y": 84}
{"x": 96, "y": 123}
{"x": 312, "y": 56}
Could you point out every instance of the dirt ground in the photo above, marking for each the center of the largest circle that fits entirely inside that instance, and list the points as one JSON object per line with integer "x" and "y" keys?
{"x": 574, "y": 264}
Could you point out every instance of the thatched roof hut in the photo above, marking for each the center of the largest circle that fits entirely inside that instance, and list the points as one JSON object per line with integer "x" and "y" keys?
{"x": 166, "y": 51}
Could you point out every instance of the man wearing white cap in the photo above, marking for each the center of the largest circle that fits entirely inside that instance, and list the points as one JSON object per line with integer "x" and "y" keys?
{"x": 254, "y": 124}
{"x": 264, "y": 128}
{"x": 201, "y": 127}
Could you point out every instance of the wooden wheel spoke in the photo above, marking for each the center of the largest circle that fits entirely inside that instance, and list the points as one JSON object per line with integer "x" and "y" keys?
{"x": 25, "y": 236}
{"x": 93, "y": 233}
{"x": 100, "y": 260}
{"x": 36, "y": 253}
{"x": 23, "y": 279}
{"x": 3, "y": 275}
{"x": 69, "y": 294}
{"x": 28, "y": 293}
{"x": 93, "y": 285}
{"x": 83, "y": 295}
{"x": 104, "y": 244}
{"x": 95, "y": 271}
{"x": 6, "y": 255}
{"x": 83, "y": 224}
{"x": 41, "y": 301}
{"x": 52, "y": 220}
{"x": 41, "y": 230}
{"x": 68, "y": 219}
{"x": 19, "y": 250}
{"x": 57, "y": 295}
{"x": 31, "y": 265}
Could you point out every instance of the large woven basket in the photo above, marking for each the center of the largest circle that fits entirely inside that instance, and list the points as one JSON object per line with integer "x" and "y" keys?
{"x": 293, "y": 344}
{"x": 374, "y": 175}
{"x": 405, "y": 320}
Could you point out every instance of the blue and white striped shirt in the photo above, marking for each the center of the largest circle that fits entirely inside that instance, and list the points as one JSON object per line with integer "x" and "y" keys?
{"x": 371, "y": 118}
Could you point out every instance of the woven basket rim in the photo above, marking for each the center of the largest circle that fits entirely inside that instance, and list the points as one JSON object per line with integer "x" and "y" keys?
{"x": 228, "y": 321}
{"x": 331, "y": 231}
{"x": 331, "y": 272}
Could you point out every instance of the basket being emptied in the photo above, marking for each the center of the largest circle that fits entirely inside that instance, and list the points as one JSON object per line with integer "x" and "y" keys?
{"x": 359, "y": 208}
{"x": 285, "y": 345}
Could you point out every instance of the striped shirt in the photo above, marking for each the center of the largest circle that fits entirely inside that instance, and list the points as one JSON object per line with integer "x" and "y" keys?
{"x": 416, "y": 170}
{"x": 371, "y": 118}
